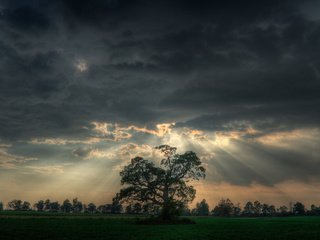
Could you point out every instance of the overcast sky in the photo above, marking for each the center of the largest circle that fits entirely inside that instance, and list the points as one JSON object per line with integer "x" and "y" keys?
{"x": 87, "y": 85}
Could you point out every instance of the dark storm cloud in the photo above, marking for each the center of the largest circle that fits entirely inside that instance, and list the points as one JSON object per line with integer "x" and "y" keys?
{"x": 200, "y": 57}
{"x": 25, "y": 18}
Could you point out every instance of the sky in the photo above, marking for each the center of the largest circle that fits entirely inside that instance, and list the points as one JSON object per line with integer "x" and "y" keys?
{"x": 87, "y": 85}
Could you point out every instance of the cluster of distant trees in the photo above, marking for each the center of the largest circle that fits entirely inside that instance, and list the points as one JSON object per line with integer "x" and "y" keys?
{"x": 225, "y": 208}
{"x": 67, "y": 206}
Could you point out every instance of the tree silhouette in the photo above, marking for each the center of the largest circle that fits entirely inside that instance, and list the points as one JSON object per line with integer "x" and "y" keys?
{"x": 257, "y": 208}
{"x": 18, "y": 205}
{"x": 47, "y": 206}
{"x": 15, "y": 205}
{"x": 77, "y": 206}
{"x": 91, "y": 208}
{"x": 39, "y": 205}
{"x": 135, "y": 208}
{"x": 26, "y": 206}
{"x": 202, "y": 208}
{"x": 268, "y": 210}
{"x": 113, "y": 208}
{"x": 54, "y": 207}
{"x": 315, "y": 210}
{"x": 248, "y": 209}
{"x": 66, "y": 206}
{"x": 283, "y": 210}
{"x": 164, "y": 186}
{"x": 225, "y": 208}
{"x": 299, "y": 208}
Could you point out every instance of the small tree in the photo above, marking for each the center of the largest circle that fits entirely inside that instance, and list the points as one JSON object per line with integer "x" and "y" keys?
{"x": 202, "y": 208}
{"x": 163, "y": 186}
{"x": 39, "y": 205}
{"x": 77, "y": 206}
{"x": 299, "y": 208}
{"x": 18, "y": 205}
{"x": 237, "y": 210}
{"x": 268, "y": 210}
{"x": 283, "y": 210}
{"x": 265, "y": 209}
{"x": 15, "y": 205}
{"x": 225, "y": 208}
{"x": 257, "y": 208}
{"x": 26, "y": 206}
{"x": 54, "y": 207}
{"x": 91, "y": 208}
{"x": 248, "y": 209}
{"x": 66, "y": 206}
{"x": 314, "y": 210}
{"x": 47, "y": 206}
{"x": 272, "y": 210}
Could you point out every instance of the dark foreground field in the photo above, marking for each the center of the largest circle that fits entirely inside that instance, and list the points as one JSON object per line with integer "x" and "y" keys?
{"x": 46, "y": 226}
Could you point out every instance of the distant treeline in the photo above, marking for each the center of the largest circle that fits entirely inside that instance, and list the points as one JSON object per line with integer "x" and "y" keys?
{"x": 67, "y": 206}
{"x": 225, "y": 208}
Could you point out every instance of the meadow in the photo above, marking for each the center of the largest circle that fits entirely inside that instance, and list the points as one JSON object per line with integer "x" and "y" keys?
{"x": 65, "y": 226}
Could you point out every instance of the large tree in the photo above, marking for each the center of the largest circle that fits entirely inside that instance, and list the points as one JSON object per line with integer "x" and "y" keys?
{"x": 164, "y": 185}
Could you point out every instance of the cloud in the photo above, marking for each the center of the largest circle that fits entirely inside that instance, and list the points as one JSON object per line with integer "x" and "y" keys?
{"x": 82, "y": 152}
{"x": 61, "y": 141}
{"x": 51, "y": 170}
{"x": 104, "y": 132}
{"x": 122, "y": 152}
{"x": 161, "y": 129}
{"x": 9, "y": 160}
{"x": 289, "y": 139}
{"x": 26, "y": 18}
{"x": 110, "y": 131}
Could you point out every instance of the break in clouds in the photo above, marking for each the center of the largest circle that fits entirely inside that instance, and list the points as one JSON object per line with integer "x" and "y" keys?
{"x": 85, "y": 86}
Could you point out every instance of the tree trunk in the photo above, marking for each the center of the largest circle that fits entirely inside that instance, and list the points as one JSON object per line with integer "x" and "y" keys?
{"x": 166, "y": 213}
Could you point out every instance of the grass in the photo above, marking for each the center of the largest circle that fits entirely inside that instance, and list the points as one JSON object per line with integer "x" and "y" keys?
{"x": 159, "y": 221}
{"x": 65, "y": 226}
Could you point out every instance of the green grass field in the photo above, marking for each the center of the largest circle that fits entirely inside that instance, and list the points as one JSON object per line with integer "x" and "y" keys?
{"x": 63, "y": 226}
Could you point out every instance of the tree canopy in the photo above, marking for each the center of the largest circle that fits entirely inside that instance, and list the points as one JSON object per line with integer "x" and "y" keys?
{"x": 202, "y": 208}
{"x": 164, "y": 186}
